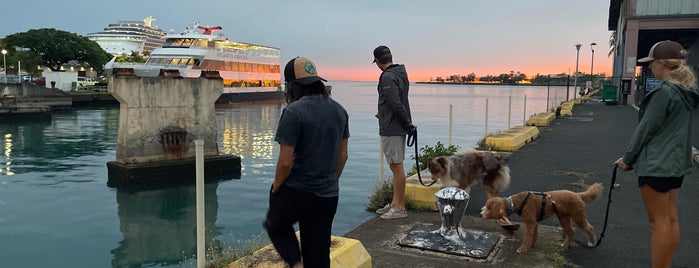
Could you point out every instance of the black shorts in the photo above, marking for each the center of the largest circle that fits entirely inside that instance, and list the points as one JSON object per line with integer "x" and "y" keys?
{"x": 661, "y": 184}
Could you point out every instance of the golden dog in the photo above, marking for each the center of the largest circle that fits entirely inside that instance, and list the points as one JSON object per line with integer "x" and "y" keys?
{"x": 536, "y": 207}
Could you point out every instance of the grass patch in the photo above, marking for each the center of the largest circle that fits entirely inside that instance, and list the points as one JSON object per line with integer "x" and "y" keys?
{"x": 383, "y": 194}
{"x": 582, "y": 178}
{"x": 219, "y": 257}
{"x": 482, "y": 146}
{"x": 560, "y": 260}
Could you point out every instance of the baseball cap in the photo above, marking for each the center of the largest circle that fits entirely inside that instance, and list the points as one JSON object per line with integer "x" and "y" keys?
{"x": 380, "y": 51}
{"x": 302, "y": 71}
{"x": 664, "y": 50}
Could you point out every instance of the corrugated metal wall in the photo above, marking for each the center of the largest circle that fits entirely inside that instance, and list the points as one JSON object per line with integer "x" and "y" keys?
{"x": 666, "y": 7}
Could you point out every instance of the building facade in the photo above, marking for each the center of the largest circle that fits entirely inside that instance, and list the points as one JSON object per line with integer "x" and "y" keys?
{"x": 638, "y": 24}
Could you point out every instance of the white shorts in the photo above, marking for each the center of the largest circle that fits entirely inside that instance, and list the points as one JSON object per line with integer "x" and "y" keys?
{"x": 393, "y": 148}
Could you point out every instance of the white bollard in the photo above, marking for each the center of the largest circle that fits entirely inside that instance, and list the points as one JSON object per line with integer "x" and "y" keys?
{"x": 486, "y": 119}
{"x": 524, "y": 114}
{"x": 509, "y": 112}
{"x": 201, "y": 243}
{"x": 450, "y": 123}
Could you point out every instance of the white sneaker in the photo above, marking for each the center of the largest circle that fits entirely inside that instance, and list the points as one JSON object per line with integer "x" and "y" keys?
{"x": 394, "y": 214}
{"x": 384, "y": 209}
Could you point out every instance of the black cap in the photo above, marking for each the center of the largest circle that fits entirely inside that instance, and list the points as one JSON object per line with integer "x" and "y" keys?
{"x": 380, "y": 51}
{"x": 302, "y": 71}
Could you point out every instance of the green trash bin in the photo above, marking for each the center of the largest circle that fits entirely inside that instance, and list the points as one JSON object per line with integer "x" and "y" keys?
{"x": 609, "y": 94}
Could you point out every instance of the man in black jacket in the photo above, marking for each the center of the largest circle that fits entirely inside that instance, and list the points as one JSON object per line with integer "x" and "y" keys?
{"x": 394, "y": 123}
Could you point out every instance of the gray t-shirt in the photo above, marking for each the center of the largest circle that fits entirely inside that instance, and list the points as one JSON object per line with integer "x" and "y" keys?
{"x": 314, "y": 126}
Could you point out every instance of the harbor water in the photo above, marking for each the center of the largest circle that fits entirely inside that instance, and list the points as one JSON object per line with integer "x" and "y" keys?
{"x": 56, "y": 209}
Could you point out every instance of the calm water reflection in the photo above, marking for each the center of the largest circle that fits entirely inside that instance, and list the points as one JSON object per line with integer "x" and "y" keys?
{"x": 159, "y": 226}
{"x": 56, "y": 209}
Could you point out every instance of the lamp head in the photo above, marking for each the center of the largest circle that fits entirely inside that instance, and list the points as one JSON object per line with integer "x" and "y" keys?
{"x": 577, "y": 46}
{"x": 4, "y": 52}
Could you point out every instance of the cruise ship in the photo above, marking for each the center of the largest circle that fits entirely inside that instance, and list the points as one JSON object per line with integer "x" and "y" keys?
{"x": 250, "y": 72}
{"x": 125, "y": 37}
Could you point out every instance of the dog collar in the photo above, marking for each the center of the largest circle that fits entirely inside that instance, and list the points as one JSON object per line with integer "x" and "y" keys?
{"x": 510, "y": 205}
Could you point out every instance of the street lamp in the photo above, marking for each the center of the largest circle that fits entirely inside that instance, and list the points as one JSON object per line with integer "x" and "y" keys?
{"x": 592, "y": 62}
{"x": 577, "y": 58}
{"x": 4, "y": 67}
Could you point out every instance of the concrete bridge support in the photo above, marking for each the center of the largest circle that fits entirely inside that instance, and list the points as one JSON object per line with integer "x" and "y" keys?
{"x": 159, "y": 120}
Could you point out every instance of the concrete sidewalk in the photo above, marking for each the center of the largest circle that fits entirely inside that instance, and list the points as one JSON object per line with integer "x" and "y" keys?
{"x": 573, "y": 151}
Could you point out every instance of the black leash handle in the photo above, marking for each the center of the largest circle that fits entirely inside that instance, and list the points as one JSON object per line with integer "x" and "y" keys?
{"x": 606, "y": 215}
{"x": 412, "y": 140}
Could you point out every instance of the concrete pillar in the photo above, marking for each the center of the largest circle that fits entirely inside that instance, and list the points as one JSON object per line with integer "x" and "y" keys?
{"x": 160, "y": 117}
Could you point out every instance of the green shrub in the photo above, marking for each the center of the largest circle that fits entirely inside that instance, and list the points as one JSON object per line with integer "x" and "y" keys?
{"x": 219, "y": 257}
{"x": 383, "y": 194}
{"x": 429, "y": 152}
{"x": 482, "y": 146}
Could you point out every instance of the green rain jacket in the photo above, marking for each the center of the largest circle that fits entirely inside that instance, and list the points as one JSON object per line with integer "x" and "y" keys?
{"x": 661, "y": 145}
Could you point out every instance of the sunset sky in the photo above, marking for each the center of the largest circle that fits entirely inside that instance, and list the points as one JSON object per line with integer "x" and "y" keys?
{"x": 432, "y": 38}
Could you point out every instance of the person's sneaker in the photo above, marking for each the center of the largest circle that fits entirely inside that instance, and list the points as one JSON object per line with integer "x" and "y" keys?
{"x": 384, "y": 209}
{"x": 394, "y": 214}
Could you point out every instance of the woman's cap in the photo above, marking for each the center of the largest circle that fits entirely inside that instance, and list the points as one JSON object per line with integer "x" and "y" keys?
{"x": 302, "y": 71}
{"x": 664, "y": 50}
{"x": 380, "y": 51}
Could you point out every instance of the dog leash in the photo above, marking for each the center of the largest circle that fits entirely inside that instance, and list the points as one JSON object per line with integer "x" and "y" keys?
{"x": 606, "y": 215}
{"x": 412, "y": 142}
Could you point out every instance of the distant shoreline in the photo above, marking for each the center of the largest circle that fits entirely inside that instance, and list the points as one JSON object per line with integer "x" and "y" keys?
{"x": 478, "y": 84}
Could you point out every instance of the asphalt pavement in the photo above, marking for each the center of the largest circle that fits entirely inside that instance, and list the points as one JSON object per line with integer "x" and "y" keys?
{"x": 574, "y": 150}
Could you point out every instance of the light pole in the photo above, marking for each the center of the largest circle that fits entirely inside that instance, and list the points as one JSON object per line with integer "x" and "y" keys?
{"x": 4, "y": 67}
{"x": 575, "y": 81}
{"x": 592, "y": 63}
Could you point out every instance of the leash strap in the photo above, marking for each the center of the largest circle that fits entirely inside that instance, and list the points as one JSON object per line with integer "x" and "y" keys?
{"x": 606, "y": 215}
{"x": 412, "y": 142}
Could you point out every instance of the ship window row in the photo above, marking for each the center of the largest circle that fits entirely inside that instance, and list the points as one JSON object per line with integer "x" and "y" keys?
{"x": 234, "y": 66}
{"x": 173, "y": 61}
{"x": 221, "y": 45}
{"x": 237, "y": 66}
{"x": 251, "y": 83}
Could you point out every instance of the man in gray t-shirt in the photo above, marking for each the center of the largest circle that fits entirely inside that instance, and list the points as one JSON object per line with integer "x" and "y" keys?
{"x": 312, "y": 134}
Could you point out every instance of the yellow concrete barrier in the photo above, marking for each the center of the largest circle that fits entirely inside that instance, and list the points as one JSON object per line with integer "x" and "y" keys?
{"x": 344, "y": 253}
{"x": 421, "y": 196}
{"x": 512, "y": 139}
{"x": 541, "y": 119}
{"x": 567, "y": 108}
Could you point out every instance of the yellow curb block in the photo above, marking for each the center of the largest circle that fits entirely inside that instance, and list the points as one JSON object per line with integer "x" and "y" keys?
{"x": 541, "y": 119}
{"x": 350, "y": 253}
{"x": 512, "y": 139}
{"x": 567, "y": 105}
{"x": 422, "y": 196}
{"x": 344, "y": 252}
{"x": 567, "y": 108}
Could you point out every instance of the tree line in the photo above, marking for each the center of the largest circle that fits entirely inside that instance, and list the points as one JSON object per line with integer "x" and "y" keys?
{"x": 51, "y": 48}
{"x": 516, "y": 78}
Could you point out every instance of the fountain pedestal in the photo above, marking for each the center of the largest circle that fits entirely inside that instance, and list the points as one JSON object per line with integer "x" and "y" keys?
{"x": 451, "y": 237}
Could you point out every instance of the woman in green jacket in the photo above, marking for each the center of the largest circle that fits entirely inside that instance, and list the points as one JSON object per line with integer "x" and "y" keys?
{"x": 660, "y": 150}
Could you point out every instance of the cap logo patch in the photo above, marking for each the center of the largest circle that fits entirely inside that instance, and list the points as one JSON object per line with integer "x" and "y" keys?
{"x": 309, "y": 68}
